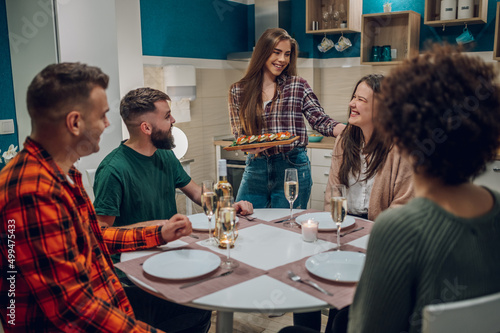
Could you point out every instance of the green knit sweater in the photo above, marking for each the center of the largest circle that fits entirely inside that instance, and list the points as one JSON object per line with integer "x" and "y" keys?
{"x": 420, "y": 254}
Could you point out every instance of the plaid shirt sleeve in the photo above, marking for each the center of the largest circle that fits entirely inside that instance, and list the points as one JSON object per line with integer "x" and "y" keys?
{"x": 315, "y": 114}
{"x": 64, "y": 280}
{"x": 56, "y": 263}
{"x": 234, "y": 110}
{"x": 123, "y": 240}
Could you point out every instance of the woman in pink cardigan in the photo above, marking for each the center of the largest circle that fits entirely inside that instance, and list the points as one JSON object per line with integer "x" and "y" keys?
{"x": 375, "y": 174}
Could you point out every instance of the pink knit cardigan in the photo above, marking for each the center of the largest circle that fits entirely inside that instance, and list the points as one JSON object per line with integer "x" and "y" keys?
{"x": 392, "y": 186}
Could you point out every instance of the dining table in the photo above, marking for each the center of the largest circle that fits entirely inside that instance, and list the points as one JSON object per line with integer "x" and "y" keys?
{"x": 266, "y": 251}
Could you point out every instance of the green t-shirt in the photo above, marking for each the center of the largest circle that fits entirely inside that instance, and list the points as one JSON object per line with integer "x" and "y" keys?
{"x": 136, "y": 188}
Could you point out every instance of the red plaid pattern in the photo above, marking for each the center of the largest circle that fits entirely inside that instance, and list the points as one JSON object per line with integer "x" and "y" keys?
{"x": 64, "y": 277}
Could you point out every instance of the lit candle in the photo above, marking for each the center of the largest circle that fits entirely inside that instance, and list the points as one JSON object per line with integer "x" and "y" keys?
{"x": 310, "y": 230}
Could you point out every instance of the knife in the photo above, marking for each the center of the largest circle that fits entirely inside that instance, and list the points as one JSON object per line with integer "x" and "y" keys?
{"x": 284, "y": 220}
{"x": 350, "y": 232}
{"x": 206, "y": 279}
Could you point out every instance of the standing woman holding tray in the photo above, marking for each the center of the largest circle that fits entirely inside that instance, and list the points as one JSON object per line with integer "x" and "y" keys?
{"x": 271, "y": 98}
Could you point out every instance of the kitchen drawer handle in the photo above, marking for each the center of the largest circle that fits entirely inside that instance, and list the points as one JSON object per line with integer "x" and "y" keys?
{"x": 328, "y": 155}
{"x": 496, "y": 169}
{"x": 235, "y": 166}
{"x": 326, "y": 174}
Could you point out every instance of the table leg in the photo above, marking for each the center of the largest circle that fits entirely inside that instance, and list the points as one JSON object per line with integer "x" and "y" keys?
{"x": 224, "y": 323}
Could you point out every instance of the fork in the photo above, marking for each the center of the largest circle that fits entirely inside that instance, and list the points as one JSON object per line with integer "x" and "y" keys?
{"x": 296, "y": 278}
{"x": 248, "y": 217}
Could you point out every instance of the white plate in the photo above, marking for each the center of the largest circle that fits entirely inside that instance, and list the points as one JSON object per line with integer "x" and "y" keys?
{"x": 181, "y": 264}
{"x": 325, "y": 221}
{"x": 341, "y": 266}
{"x": 200, "y": 222}
{"x": 181, "y": 142}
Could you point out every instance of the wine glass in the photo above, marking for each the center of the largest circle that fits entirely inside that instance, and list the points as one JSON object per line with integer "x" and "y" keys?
{"x": 342, "y": 13}
{"x": 226, "y": 222}
{"x": 291, "y": 191}
{"x": 338, "y": 203}
{"x": 327, "y": 16}
{"x": 209, "y": 204}
{"x": 335, "y": 18}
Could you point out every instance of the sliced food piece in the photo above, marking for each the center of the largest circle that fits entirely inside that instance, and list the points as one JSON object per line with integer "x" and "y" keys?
{"x": 272, "y": 136}
{"x": 242, "y": 140}
{"x": 263, "y": 137}
{"x": 253, "y": 138}
{"x": 283, "y": 136}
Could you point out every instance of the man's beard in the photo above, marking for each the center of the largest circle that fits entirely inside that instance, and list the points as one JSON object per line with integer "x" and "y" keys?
{"x": 162, "y": 139}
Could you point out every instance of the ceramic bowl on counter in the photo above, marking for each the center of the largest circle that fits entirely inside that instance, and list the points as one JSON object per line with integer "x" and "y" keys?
{"x": 315, "y": 137}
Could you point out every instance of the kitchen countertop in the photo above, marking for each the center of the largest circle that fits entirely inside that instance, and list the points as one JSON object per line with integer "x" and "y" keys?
{"x": 326, "y": 143}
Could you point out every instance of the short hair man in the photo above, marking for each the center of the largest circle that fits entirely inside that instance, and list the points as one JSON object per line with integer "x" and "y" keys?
{"x": 56, "y": 252}
{"x": 137, "y": 181}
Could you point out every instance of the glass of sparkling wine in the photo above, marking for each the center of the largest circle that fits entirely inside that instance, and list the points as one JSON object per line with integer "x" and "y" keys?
{"x": 227, "y": 220}
{"x": 291, "y": 191}
{"x": 338, "y": 203}
{"x": 209, "y": 204}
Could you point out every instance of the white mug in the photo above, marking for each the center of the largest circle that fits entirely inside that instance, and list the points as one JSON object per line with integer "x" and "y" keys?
{"x": 343, "y": 44}
{"x": 325, "y": 45}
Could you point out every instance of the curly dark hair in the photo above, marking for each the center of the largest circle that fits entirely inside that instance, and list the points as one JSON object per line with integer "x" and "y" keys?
{"x": 442, "y": 108}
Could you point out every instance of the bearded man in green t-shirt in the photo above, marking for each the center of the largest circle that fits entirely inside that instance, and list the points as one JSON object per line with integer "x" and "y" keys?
{"x": 136, "y": 182}
{"x": 135, "y": 185}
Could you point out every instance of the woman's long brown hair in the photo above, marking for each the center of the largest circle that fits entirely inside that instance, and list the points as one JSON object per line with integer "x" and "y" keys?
{"x": 376, "y": 149}
{"x": 252, "y": 103}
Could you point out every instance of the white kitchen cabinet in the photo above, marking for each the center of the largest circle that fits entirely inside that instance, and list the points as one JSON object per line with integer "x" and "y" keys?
{"x": 320, "y": 167}
{"x": 491, "y": 177}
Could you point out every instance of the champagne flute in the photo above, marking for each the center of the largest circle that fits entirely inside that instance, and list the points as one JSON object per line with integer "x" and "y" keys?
{"x": 227, "y": 221}
{"x": 338, "y": 203}
{"x": 335, "y": 17}
{"x": 291, "y": 191}
{"x": 209, "y": 204}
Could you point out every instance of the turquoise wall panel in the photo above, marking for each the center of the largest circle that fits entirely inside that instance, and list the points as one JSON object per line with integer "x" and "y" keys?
{"x": 211, "y": 29}
{"x": 194, "y": 28}
{"x": 7, "y": 104}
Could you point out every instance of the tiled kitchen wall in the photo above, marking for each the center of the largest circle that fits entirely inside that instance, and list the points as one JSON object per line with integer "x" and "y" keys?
{"x": 209, "y": 118}
{"x": 336, "y": 86}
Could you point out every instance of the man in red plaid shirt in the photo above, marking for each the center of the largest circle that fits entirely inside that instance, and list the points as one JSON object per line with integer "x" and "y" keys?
{"x": 55, "y": 259}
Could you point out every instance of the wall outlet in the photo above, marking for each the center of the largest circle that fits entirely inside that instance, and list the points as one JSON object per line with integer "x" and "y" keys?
{"x": 7, "y": 126}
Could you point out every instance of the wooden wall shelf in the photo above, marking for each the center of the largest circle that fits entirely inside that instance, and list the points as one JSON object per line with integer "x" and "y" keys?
{"x": 400, "y": 30}
{"x": 314, "y": 11}
{"x": 433, "y": 8}
{"x": 496, "y": 45}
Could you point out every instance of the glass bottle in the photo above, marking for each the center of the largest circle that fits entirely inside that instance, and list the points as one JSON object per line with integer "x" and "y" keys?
{"x": 223, "y": 189}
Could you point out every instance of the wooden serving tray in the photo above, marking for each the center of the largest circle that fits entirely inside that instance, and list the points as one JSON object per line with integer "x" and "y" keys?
{"x": 262, "y": 144}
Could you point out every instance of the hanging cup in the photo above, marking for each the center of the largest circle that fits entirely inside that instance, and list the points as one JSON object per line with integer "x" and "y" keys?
{"x": 343, "y": 44}
{"x": 325, "y": 45}
{"x": 465, "y": 37}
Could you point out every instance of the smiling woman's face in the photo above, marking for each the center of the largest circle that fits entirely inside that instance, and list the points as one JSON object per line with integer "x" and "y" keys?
{"x": 279, "y": 59}
{"x": 362, "y": 108}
